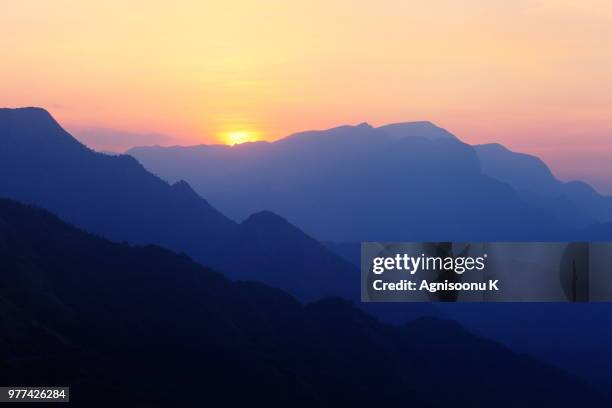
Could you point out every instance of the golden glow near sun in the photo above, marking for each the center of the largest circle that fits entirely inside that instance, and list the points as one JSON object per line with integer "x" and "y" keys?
{"x": 486, "y": 70}
{"x": 238, "y": 137}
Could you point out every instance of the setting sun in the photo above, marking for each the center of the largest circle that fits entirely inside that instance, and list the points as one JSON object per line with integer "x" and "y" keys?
{"x": 238, "y": 137}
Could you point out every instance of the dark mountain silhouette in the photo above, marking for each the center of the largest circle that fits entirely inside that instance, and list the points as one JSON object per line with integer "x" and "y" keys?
{"x": 267, "y": 248}
{"x": 142, "y": 326}
{"x": 113, "y": 196}
{"x": 572, "y": 336}
{"x": 575, "y": 202}
{"x": 358, "y": 183}
{"x": 275, "y": 252}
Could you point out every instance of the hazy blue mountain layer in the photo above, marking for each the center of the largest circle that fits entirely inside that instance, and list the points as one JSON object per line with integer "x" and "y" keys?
{"x": 410, "y": 181}
{"x": 574, "y": 203}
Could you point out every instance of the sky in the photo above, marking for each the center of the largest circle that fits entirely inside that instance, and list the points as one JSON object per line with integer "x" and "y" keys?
{"x": 533, "y": 75}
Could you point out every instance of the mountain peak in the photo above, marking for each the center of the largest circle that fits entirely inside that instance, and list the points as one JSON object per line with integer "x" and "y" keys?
{"x": 424, "y": 129}
{"x": 34, "y": 127}
{"x": 493, "y": 147}
{"x": 279, "y": 254}
{"x": 27, "y": 110}
{"x": 41, "y": 163}
{"x": 32, "y": 116}
{"x": 413, "y": 123}
{"x": 182, "y": 185}
{"x": 267, "y": 218}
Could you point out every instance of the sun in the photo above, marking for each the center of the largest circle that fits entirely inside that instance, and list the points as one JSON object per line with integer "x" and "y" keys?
{"x": 239, "y": 136}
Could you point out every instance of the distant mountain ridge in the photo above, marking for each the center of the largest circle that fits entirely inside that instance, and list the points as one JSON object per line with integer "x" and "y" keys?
{"x": 424, "y": 129}
{"x": 575, "y": 202}
{"x": 335, "y": 183}
{"x": 408, "y": 181}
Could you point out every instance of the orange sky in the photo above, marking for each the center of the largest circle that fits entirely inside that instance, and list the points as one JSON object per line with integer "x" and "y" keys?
{"x": 531, "y": 74}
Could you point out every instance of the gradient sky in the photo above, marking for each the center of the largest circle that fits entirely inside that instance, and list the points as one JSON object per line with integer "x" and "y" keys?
{"x": 534, "y": 75}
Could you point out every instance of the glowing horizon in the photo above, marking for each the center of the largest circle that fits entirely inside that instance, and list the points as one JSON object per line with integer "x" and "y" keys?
{"x": 240, "y": 136}
{"x": 530, "y": 74}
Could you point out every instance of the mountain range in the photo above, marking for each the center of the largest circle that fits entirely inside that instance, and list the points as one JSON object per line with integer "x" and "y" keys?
{"x": 401, "y": 182}
{"x": 113, "y": 196}
{"x": 140, "y": 326}
{"x": 416, "y": 181}
{"x": 117, "y": 198}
